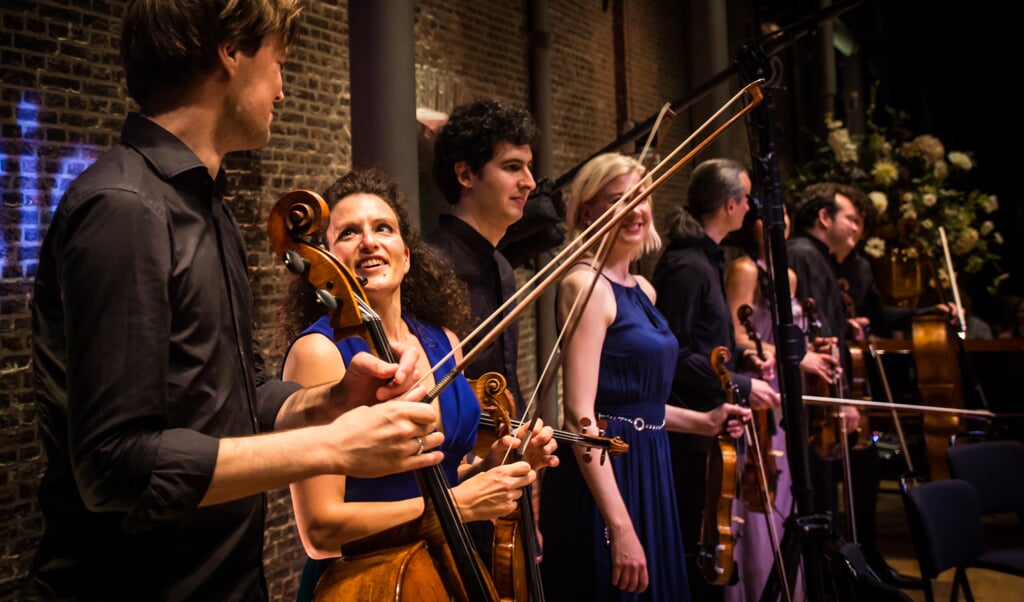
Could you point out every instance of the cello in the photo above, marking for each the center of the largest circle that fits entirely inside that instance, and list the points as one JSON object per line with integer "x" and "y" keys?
{"x": 937, "y": 353}
{"x": 431, "y": 557}
{"x": 715, "y": 556}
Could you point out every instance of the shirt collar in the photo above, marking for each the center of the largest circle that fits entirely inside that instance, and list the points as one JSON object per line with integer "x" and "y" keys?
{"x": 169, "y": 156}
{"x": 466, "y": 233}
{"x": 712, "y": 249}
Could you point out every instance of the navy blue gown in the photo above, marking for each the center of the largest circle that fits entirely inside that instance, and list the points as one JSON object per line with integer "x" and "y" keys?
{"x": 637, "y": 363}
{"x": 460, "y": 414}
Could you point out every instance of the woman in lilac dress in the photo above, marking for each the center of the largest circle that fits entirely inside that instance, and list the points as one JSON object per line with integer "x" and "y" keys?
{"x": 746, "y": 283}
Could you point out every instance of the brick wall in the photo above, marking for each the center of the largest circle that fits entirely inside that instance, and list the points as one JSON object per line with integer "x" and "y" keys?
{"x": 62, "y": 102}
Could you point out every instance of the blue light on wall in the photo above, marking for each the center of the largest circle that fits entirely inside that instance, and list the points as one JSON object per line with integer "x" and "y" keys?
{"x": 29, "y": 171}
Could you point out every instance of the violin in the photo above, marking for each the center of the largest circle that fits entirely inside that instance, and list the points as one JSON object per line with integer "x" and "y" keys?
{"x": 828, "y": 435}
{"x": 496, "y": 421}
{"x": 433, "y": 556}
{"x": 823, "y": 424}
{"x": 760, "y": 461}
{"x": 715, "y": 556}
{"x": 860, "y": 387}
{"x": 515, "y": 548}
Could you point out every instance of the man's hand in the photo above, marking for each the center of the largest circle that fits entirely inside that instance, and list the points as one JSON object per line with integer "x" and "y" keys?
{"x": 369, "y": 380}
{"x": 762, "y": 395}
{"x": 821, "y": 364}
{"x": 386, "y": 438}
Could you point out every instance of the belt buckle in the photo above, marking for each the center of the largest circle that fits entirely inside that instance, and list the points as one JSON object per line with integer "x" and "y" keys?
{"x": 639, "y": 424}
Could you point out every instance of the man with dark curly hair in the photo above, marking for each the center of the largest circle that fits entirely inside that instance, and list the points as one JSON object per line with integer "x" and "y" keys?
{"x": 482, "y": 165}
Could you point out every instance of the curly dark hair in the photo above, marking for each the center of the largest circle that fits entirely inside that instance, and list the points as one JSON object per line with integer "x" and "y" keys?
{"x": 471, "y": 134}
{"x": 431, "y": 291}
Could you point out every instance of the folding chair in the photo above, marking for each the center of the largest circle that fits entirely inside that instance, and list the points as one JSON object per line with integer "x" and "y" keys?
{"x": 946, "y": 526}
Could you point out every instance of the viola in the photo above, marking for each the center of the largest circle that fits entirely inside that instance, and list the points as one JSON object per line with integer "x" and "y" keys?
{"x": 454, "y": 570}
{"x": 760, "y": 471}
{"x": 715, "y": 556}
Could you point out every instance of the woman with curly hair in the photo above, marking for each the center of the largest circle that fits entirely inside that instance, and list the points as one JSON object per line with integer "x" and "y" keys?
{"x": 420, "y": 304}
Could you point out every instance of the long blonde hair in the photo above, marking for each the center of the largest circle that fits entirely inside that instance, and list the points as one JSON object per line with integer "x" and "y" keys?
{"x": 594, "y": 176}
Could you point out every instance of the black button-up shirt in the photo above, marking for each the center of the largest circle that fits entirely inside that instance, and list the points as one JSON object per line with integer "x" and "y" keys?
{"x": 867, "y": 299}
{"x": 144, "y": 357}
{"x": 491, "y": 281}
{"x": 815, "y": 278}
{"x": 691, "y": 295}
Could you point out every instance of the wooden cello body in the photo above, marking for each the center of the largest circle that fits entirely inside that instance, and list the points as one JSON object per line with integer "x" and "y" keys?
{"x": 940, "y": 384}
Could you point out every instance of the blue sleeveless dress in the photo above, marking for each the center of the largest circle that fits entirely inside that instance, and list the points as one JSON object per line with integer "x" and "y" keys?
{"x": 460, "y": 415}
{"x": 637, "y": 363}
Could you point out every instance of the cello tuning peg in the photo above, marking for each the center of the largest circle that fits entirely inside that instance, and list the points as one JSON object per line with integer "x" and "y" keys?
{"x": 295, "y": 263}
{"x": 601, "y": 426}
{"x": 329, "y": 301}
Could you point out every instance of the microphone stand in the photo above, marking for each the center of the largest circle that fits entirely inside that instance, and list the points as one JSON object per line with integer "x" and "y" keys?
{"x": 805, "y": 531}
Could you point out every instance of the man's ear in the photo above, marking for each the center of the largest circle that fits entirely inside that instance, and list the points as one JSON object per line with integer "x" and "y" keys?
{"x": 463, "y": 173}
{"x": 823, "y": 217}
{"x": 228, "y": 54}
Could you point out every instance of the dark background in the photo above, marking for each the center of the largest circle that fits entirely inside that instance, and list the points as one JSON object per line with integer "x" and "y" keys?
{"x": 954, "y": 69}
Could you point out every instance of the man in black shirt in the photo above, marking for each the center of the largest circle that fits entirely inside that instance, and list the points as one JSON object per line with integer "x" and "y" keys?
{"x": 482, "y": 160}
{"x": 691, "y": 294}
{"x": 828, "y": 221}
{"x": 151, "y": 391}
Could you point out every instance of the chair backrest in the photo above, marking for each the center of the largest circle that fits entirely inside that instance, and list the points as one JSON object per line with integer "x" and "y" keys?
{"x": 945, "y": 523}
{"x": 995, "y": 469}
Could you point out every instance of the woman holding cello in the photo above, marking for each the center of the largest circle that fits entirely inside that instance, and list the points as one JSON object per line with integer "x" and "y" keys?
{"x": 610, "y": 528}
{"x": 415, "y": 295}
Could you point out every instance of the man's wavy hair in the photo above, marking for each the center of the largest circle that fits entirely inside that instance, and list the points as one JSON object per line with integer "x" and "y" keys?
{"x": 471, "y": 134}
{"x": 167, "y": 44}
{"x": 431, "y": 291}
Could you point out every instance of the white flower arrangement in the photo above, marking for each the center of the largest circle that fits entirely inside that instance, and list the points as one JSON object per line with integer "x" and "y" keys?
{"x": 915, "y": 187}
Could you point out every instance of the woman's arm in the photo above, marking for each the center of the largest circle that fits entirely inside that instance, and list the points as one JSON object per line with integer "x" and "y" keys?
{"x": 323, "y": 518}
{"x": 582, "y": 355}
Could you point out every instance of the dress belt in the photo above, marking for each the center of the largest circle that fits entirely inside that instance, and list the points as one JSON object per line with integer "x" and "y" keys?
{"x": 638, "y": 423}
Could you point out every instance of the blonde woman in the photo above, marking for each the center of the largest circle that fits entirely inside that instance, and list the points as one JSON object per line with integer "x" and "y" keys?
{"x": 610, "y": 528}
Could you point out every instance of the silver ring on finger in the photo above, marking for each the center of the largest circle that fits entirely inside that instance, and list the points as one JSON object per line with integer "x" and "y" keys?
{"x": 420, "y": 450}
